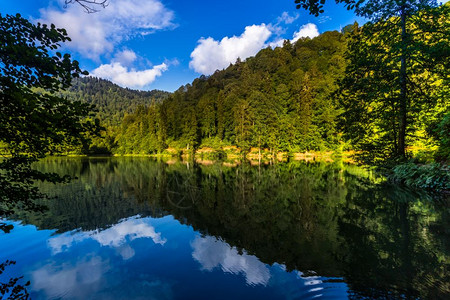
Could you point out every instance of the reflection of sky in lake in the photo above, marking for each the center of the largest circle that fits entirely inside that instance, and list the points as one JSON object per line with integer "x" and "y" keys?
{"x": 147, "y": 258}
{"x": 115, "y": 237}
{"x": 211, "y": 253}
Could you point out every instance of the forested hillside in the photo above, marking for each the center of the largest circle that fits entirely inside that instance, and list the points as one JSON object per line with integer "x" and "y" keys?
{"x": 111, "y": 100}
{"x": 378, "y": 89}
{"x": 281, "y": 99}
{"x": 340, "y": 90}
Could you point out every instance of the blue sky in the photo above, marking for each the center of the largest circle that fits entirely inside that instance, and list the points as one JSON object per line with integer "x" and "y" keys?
{"x": 163, "y": 44}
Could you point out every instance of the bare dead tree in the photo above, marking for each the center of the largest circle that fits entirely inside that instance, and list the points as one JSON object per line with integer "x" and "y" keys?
{"x": 90, "y": 6}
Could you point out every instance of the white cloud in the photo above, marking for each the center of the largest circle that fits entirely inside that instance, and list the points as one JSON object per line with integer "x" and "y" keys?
{"x": 211, "y": 55}
{"x": 308, "y": 30}
{"x": 126, "y": 77}
{"x": 125, "y": 57}
{"x": 114, "y": 237}
{"x": 324, "y": 19}
{"x": 286, "y": 18}
{"x": 212, "y": 253}
{"x": 96, "y": 34}
{"x": 277, "y": 43}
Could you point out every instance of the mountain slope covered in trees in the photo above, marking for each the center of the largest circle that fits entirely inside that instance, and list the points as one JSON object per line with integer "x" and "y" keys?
{"x": 111, "y": 100}
{"x": 281, "y": 99}
{"x": 348, "y": 88}
{"x": 339, "y": 90}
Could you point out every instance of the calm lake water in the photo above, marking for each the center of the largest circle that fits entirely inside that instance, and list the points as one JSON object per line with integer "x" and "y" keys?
{"x": 136, "y": 228}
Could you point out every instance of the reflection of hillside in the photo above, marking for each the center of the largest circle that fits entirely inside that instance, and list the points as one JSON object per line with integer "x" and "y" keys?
{"x": 330, "y": 218}
{"x": 284, "y": 213}
{"x": 397, "y": 241}
{"x": 99, "y": 197}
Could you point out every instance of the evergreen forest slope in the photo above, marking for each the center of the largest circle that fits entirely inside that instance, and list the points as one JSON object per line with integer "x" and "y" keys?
{"x": 337, "y": 91}
{"x": 281, "y": 99}
{"x": 111, "y": 100}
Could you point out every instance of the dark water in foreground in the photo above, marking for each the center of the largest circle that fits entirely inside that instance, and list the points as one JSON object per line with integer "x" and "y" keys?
{"x": 135, "y": 228}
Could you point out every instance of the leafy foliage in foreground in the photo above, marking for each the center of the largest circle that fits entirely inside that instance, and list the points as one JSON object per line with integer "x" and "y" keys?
{"x": 13, "y": 289}
{"x": 33, "y": 119}
{"x": 396, "y": 82}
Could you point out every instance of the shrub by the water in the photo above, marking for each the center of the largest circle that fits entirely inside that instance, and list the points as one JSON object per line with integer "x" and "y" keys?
{"x": 430, "y": 176}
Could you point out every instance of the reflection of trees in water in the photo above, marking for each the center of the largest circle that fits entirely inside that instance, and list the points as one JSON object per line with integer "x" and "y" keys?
{"x": 276, "y": 213}
{"x": 385, "y": 241}
{"x": 395, "y": 240}
{"x": 182, "y": 191}
{"x": 329, "y": 218}
{"x": 100, "y": 197}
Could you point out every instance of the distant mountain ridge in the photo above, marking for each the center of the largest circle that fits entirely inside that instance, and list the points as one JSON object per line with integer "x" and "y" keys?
{"x": 111, "y": 100}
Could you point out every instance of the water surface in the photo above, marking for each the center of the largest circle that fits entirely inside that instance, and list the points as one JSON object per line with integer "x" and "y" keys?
{"x": 136, "y": 228}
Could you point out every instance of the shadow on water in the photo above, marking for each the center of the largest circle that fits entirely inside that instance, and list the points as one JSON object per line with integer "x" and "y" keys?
{"x": 327, "y": 219}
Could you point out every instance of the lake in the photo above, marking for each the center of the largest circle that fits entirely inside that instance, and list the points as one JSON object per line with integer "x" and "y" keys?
{"x": 138, "y": 228}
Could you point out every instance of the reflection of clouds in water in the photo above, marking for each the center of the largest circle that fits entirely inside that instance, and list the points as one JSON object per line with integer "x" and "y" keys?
{"x": 68, "y": 280}
{"x": 115, "y": 236}
{"x": 93, "y": 277}
{"x": 211, "y": 253}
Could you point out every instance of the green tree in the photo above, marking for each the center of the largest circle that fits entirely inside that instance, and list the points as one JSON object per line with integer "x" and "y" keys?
{"x": 387, "y": 60}
{"x": 34, "y": 121}
{"x": 390, "y": 84}
{"x": 190, "y": 129}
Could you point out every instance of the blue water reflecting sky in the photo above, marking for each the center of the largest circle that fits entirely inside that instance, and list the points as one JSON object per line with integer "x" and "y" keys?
{"x": 149, "y": 258}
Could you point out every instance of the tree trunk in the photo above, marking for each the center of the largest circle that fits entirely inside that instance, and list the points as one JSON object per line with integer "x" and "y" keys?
{"x": 401, "y": 145}
{"x": 259, "y": 151}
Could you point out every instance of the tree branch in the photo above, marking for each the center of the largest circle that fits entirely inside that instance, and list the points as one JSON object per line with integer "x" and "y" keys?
{"x": 90, "y": 6}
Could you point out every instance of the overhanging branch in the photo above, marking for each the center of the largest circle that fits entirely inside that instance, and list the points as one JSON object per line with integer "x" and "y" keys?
{"x": 90, "y": 6}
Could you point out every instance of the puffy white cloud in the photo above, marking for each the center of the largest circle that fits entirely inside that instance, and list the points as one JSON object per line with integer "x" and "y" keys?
{"x": 277, "y": 43}
{"x": 212, "y": 253}
{"x": 114, "y": 237}
{"x": 211, "y": 55}
{"x": 96, "y": 34}
{"x": 308, "y": 30}
{"x": 126, "y": 77}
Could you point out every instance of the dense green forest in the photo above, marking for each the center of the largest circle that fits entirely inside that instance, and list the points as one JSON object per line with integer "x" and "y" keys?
{"x": 380, "y": 89}
{"x": 338, "y": 91}
{"x": 111, "y": 101}
{"x": 281, "y": 99}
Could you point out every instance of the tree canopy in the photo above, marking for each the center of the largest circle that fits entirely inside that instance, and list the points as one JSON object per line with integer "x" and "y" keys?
{"x": 281, "y": 100}
{"x": 34, "y": 121}
{"x": 371, "y": 9}
{"x": 396, "y": 64}
{"x": 338, "y": 90}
